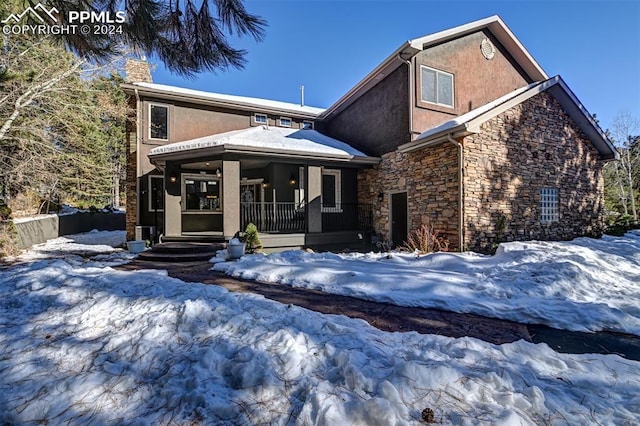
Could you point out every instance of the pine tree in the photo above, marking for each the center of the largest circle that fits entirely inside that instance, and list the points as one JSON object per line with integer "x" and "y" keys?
{"x": 188, "y": 36}
{"x": 61, "y": 126}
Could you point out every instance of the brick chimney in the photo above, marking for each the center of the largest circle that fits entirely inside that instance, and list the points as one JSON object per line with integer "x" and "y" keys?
{"x": 137, "y": 70}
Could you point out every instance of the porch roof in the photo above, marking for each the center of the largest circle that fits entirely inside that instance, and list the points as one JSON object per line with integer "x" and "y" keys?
{"x": 265, "y": 141}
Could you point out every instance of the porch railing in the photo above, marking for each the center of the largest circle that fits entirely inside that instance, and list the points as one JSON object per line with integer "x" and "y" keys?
{"x": 291, "y": 217}
{"x": 273, "y": 217}
{"x": 347, "y": 217}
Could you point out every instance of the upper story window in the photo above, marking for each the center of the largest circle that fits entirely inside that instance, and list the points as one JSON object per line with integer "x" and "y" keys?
{"x": 260, "y": 118}
{"x": 285, "y": 122}
{"x": 549, "y": 205}
{"x": 158, "y": 122}
{"x": 436, "y": 87}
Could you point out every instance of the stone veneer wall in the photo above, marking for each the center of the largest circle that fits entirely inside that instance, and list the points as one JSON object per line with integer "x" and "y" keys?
{"x": 528, "y": 147}
{"x": 135, "y": 71}
{"x": 430, "y": 178}
{"x": 131, "y": 192}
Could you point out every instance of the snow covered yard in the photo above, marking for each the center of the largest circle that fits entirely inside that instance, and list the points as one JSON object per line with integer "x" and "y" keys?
{"x": 582, "y": 285}
{"x": 81, "y": 342}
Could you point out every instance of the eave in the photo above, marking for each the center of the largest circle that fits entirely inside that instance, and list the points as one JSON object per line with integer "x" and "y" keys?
{"x": 161, "y": 158}
{"x": 410, "y": 48}
{"x": 209, "y": 100}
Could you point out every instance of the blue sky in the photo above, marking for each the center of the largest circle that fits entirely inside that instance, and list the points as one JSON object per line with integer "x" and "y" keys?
{"x": 329, "y": 45}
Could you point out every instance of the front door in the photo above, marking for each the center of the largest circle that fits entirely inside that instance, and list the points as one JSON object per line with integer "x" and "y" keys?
{"x": 398, "y": 218}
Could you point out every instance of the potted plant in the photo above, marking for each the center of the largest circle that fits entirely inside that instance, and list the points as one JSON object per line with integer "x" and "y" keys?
{"x": 235, "y": 248}
{"x": 247, "y": 242}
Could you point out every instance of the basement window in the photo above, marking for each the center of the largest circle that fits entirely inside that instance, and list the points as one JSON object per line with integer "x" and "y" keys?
{"x": 436, "y": 87}
{"x": 158, "y": 122}
{"x": 549, "y": 205}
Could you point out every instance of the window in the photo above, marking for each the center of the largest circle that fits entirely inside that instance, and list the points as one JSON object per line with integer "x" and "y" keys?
{"x": 285, "y": 122}
{"x": 201, "y": 193}
{"x": 156, "y": 193}
{"x": 331, "y": 191}
{"x": 437, "y": 87}
{"x": 158, "y": 122}
{"x": 549, "y": 205}
{"x": 260, "y": 118}
{"x": 307, "y": 125}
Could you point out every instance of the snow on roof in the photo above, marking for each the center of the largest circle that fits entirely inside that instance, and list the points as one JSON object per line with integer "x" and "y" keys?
{"x": 270, "y": 139}
{"x": 265, "y": 103}
{"x": 470, "y": 121}
{"x": 465, "y": 118}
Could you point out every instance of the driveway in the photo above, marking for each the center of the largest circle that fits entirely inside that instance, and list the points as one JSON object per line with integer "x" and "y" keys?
{"x": 395, "y": 318}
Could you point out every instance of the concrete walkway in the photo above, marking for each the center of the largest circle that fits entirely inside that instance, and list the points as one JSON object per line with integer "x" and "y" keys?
{"x": 394, "y": 318}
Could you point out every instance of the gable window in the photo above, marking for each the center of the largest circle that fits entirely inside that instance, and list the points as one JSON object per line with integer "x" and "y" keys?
{"x": 331, "y": 191}
{"x": 158, "y": 122}
{"x": 156, "y": 193}
{"x": 260, "y": 118}
{"x": 436, "y": 86}
{"x": 285, "y": 122}
{"x": 549, "y": 205}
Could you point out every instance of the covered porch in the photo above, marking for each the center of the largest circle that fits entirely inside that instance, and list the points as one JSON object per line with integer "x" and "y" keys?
{"x": 298, "y": 187}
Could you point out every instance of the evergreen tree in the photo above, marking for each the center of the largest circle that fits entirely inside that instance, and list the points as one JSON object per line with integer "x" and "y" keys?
{"x": 188, "y": 36}
{"x": 61, "y": 125}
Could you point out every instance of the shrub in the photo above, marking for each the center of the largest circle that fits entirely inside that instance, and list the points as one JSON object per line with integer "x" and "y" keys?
{"x": 8, "y": 232}
{"x": 5, "y": 211}
{"x": 252, "y": 239}
{"x": 501, "y": 227}
{"x": 618, "y": 225}
{"x": 425, "y": 240}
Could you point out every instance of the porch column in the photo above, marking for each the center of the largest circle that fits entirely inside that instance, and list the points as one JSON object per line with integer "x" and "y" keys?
{"x": 230, "y": 198}
{"x": 172, "y": 202}
{"x": 314, "y": 194}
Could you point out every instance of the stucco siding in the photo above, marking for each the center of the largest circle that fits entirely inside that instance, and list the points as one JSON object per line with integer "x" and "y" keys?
{"x": 377, "y": 122}
{"x": 477, "y": 80}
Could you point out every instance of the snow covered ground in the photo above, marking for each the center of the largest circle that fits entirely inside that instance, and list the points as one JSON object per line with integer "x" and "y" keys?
{"x": 584, "y": 284}
{"x": 75, "y": 249}
{"x": 81, "y": 342}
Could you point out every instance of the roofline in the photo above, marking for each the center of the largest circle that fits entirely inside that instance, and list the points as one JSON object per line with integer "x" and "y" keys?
{"x": 402, "y": 54}
{"x": 574, "y": 108}
{"x": 241, "y": 149}
{"x": 131, "y": 88}
{"x": 412, "y": 47}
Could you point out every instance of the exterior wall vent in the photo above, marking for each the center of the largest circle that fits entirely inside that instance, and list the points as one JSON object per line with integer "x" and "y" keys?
{"x": 487, "y": 49}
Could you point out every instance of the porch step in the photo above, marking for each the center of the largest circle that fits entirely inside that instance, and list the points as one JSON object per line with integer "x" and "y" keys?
{"x": 194, "y": 238}
{"x": 181, "y": 252}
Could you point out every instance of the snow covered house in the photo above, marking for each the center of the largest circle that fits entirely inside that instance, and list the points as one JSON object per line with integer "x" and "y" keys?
{"x": 462, "y": 129}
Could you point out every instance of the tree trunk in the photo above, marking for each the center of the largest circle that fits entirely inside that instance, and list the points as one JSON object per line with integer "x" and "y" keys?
{"x": 116, "y": 190}
{"x": 630, "y": 182}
